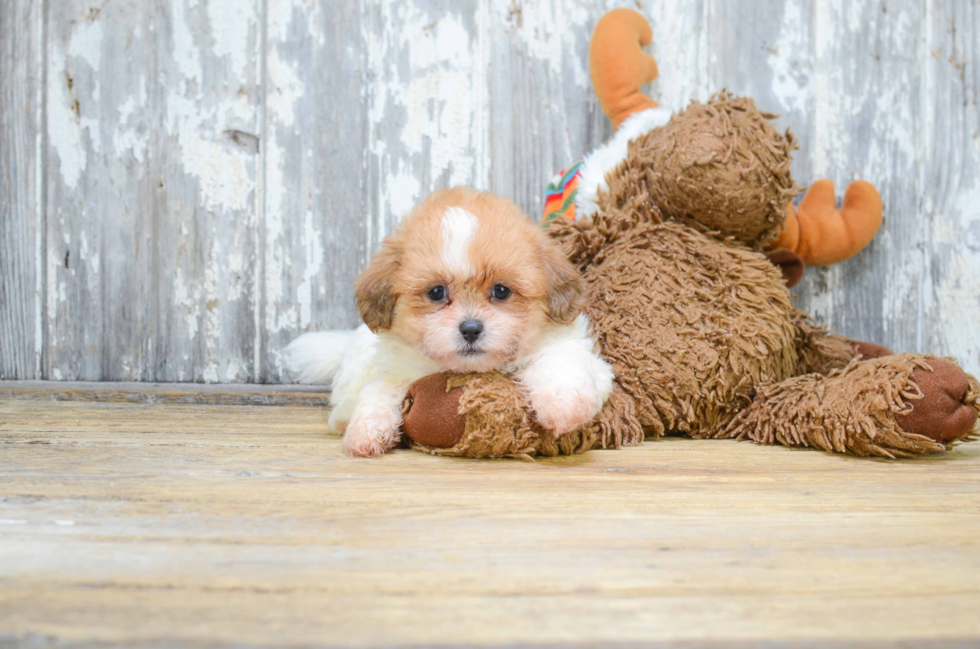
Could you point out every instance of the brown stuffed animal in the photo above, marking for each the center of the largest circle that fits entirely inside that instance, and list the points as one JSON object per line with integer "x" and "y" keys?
{"x": 673, "y": 218}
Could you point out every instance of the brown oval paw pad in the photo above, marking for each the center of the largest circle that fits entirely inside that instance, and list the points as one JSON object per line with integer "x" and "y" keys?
{"x": 431, "y": 413}
{"x": 943, "y": 413}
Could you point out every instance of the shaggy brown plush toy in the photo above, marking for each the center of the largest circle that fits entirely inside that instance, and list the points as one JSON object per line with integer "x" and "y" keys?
{"x": 674, "y": 219}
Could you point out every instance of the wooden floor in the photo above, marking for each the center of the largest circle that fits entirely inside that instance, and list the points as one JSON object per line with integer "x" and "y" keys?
{"x": 171, "y": 524}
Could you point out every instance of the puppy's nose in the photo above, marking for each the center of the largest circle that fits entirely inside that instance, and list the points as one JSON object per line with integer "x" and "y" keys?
{"x": 471, "y": 330}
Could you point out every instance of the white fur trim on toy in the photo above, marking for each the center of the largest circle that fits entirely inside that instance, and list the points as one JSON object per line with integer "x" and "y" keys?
{"x": 605, "y": 158}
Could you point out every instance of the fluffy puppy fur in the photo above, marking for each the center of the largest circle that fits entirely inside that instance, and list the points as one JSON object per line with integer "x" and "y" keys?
{"x": 466, "y": 283}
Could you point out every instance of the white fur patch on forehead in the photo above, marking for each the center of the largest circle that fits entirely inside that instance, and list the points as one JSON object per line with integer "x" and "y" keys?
{"x": 459, "y": 226}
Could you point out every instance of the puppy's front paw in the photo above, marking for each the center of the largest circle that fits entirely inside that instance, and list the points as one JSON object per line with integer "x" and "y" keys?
{"x": 562, "y": 412}
{"x": 372, "y": 430}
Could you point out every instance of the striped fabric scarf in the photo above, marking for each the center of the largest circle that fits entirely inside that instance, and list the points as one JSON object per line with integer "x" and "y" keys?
{"x": 559, "y": 199}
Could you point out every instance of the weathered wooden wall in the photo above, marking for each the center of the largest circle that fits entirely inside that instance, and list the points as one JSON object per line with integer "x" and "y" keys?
{"x": 185, "y": 185}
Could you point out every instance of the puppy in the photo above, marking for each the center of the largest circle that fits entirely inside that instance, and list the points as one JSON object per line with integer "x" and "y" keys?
{"x": 466, "y": 283}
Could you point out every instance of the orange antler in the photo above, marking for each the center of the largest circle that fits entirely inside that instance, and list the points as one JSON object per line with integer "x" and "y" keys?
{"x": 822, "y": 234}
{"x": 619, "y": 67}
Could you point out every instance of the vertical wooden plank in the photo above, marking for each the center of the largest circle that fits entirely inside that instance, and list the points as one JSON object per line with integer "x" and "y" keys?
{"x": 21, "y": 85}
{"x": 210, "y": 104}
{"x": 950, "y": 219}
{"x": 426, "y": 103}
{"x": 682, "y": 45}
{"x": 543, "y": 113}
{"x": 95, "y": 57}
{"x": 866, "y": 117}
{"x": 315, "y": 229}
{"x": 153, "y": 140}
{"x": 370, "y": 107}
{"x": 764, "y": 50}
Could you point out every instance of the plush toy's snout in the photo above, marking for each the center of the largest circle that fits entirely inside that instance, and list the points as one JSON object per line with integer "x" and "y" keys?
{"x": 436, "y": 422}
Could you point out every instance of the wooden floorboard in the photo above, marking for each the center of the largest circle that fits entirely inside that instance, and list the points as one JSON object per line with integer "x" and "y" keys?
{"x": 195, "y": 525}
{"x": 226, "y": 394}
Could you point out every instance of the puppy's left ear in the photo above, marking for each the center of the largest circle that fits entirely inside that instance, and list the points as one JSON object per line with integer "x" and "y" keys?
{"x": 373, "y": 290}
{"x": 566, "y": 293}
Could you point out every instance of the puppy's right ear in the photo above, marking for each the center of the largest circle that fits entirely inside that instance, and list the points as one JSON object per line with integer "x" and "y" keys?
{"x": 374, "y": 290}
{"x": 566, "y": 293}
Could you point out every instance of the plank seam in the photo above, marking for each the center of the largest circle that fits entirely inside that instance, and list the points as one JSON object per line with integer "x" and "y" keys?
{"x": 926, "y": 226}
{"x": 41, "y": 201}
{"x": 259, "y": 338}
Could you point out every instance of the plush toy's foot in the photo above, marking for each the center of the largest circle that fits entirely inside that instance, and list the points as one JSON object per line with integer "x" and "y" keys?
{"x": 821, "y": 233}
{"x": 898, "y": 405}
{"x": 947, "y": 411}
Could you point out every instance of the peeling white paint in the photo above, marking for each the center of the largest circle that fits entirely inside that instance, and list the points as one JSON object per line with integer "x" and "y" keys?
{"x": 678, "y": 51}
{"x": 403, "y": 190}
{"x": 86, "y": 44}
{"x": 900, "y": 298}
{"x": 190, "y": 304}
{"x": 428, "y": 71}
{"x": 542, "y": 29}
{"x": 314, "y": 261}
{"x": 233, "y": 372}
{"x": 284, "y": 14}
{"x": 89, "y": 258}
{"x": 224, "y": 171}
{"x": 790, "y": 84}
{"x": 212, "y": 325}
{"x": 128, "y": 137}
{"x": 275, "y": 192}
{"x": 286, "y": 89}
{"x": 232, "y": 24}
{"x": 186, "y": 54}
{"x": 957, "y": 300}
{"x": 226, "y": 182}
{"x": 64, "y": 128}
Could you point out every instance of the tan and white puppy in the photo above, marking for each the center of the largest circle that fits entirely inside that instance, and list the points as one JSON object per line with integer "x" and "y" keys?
{"x": 467, "y": 283}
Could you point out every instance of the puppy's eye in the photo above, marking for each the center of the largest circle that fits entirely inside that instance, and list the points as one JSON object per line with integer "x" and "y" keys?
{"x": 437, "y": 293}
{"x": 501, "y": 292}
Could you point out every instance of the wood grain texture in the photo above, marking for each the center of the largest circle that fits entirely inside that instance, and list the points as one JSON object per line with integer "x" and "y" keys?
{"x": 171, "y": 393}
{"x": 21, "y": 229}
{"x": 542, "y": 114}
{"x": 315, "y": 232}
{"x": 218, "y": 172}
{"x": 867, "y": 120}
{"x": 950, "y": 218}
{"x": 199, "y": 525}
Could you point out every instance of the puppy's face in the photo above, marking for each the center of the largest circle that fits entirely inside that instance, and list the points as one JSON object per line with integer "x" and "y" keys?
{"x": 470, "y": 281}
